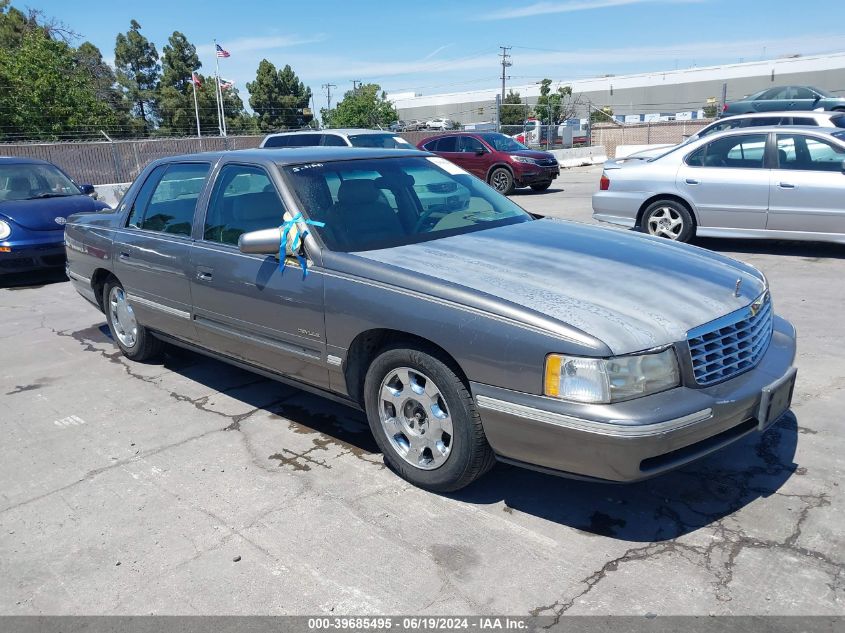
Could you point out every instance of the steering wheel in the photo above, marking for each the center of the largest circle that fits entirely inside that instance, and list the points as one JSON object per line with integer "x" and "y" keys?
{"x": 422, "y": 220}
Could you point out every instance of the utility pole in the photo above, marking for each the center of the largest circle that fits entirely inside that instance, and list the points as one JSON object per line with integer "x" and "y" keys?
{"x": 328, "y": 89}
{"x": 355, "y": 83}
{"x": 506, "y": 63}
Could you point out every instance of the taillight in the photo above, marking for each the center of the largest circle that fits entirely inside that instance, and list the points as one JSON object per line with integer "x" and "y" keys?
{"x": 725, "y": 108}
{"x": 604, "y": 183}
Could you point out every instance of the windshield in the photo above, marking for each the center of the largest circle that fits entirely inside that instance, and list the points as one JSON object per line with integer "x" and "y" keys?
{"x": 502, "y": 143}
{"x": 24, "y": 181}
{"x": 380, "y": 203}
{"x": 387, "y": 141}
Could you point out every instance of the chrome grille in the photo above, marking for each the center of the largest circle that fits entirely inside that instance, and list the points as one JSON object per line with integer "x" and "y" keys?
{"x": 733, "y": 344}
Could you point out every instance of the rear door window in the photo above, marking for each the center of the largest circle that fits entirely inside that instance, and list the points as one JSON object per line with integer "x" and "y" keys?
{"x": 447, "y": 144}
{"x": 744, "y": 151}
{"x": 293, "y": 140}
{"x": 168, "y": 199}
{"x": 333, "y": 140}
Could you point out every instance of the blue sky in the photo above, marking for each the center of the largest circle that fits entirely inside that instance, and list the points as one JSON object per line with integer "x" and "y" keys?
{"x": 432, "y": 46}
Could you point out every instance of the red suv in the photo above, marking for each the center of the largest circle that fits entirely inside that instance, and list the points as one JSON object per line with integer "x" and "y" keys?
{"x": 496, "y": 158}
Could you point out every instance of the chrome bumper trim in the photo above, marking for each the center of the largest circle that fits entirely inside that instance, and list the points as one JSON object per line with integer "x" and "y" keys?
{"x": 590, "y": 426}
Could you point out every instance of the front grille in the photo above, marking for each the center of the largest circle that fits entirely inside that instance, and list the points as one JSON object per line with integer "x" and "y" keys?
{"x": 733, "y": 344}
{"x": 547, "y": 162}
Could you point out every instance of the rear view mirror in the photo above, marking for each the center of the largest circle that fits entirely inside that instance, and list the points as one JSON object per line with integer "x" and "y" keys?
{"x": 89, "y": 190}
{"x": 263, "y": 242}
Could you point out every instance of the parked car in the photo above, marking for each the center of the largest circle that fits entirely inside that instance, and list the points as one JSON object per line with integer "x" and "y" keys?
{"x": 435, "y": 194}
{"x": 439, "y": 124}
{"x": 754, "y": 119}
{"x": 35, "y": 199}
{"x": 497, "y": 159}
{"x": 342, "y": 137}
{"x": 441, "y": 327}
{"x": 397, "y": 126}
{"x": 786, "y": 98}
{"x": 770, "y": 182}
{"x": 414, "y": 125}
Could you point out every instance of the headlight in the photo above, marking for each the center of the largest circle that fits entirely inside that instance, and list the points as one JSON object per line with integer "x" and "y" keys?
{"x": 5, "y": 230}
{"x": 606, "y": 380}
{"x": 524, "y": 159}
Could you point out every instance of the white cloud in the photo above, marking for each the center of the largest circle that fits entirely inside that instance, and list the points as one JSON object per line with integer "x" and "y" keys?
{"x": 546, "y": 8}
{"x": 265, "y": 43}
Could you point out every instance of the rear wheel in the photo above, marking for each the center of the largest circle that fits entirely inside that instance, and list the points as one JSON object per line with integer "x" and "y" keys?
{"x": 502, "y": 180}
{"x": 133, "y": 339}
{"x": 541, "y": 186}
{"x": 669, "y": 219}
{"x": 425, "y": 420}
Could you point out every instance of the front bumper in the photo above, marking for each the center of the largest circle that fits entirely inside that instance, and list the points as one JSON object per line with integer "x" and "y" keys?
{"x": 33, "y": 254}
{"x": 637, "y": 439}
{"x": 525, "y": 174}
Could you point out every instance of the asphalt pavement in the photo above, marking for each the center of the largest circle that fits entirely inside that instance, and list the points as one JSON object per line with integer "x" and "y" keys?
{"x": 191, "y": 487}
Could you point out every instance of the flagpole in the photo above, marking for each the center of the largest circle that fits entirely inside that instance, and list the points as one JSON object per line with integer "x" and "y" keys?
{"x": 217, "y": 93}
{"x": 196, "y": 105}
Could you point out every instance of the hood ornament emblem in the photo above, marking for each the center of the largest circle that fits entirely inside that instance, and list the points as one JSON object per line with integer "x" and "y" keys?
{"x": 736, "y": 289}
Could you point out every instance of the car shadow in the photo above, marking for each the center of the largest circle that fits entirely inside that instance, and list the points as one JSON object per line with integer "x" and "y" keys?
{"x": 657, "y": 509}
{"x": 527, "y": 191}
{"x": 808, "y": 250}
{"x": 32, "y": 279}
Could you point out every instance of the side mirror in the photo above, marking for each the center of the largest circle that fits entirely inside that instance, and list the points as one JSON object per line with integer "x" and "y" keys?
{"x": 264, "y": 242}
{"x": 480, "y": 152}
{"x": 89, "y": 190}
{"x": 686, "y": 137}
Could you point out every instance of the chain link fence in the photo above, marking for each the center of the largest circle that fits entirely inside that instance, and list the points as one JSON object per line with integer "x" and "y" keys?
{"x": 612, "y": 135}
{"x": 103, "y": 162}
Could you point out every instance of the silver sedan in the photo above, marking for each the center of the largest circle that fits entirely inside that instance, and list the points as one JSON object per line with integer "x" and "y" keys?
{"x": 768, "y": 182}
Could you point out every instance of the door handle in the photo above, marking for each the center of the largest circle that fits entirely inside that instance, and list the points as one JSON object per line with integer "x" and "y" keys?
{"x": 786, "y": 185}
{"x": 205, "y": 275}
{"x": 123, "y": 255}
{"x": 691, "y": 181}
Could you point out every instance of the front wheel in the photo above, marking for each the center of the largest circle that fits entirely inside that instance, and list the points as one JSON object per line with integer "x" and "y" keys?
{"x": 669, "y": 219}
{"x": 541, "y": 186}
{"x": 502, "y": 180}
{"x": 425, "y": 420}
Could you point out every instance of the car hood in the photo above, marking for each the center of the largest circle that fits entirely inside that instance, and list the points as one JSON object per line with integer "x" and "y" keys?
{"x": 40, "y": 215}
{"x": 532, "y": 153}
{"x": 630, "y": 291}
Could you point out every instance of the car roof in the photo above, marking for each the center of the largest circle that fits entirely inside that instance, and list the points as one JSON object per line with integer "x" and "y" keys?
{"x": 792, "y": 113}
{"x": 785, "y": 129}
{"x": 295, "y": 155}
{"x": 22, "y": 160}
{"x": 344, "y": 131}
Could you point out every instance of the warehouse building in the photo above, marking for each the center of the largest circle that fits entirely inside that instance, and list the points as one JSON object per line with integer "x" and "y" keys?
{"x": 667, "y": 92}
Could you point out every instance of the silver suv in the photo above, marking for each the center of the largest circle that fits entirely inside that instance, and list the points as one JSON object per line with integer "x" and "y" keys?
{"x": 346, "y": 137}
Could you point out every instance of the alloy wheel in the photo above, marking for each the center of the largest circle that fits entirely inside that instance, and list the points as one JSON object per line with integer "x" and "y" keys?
{"x": 665, "y": 222}
{"x": 123, "y": 317}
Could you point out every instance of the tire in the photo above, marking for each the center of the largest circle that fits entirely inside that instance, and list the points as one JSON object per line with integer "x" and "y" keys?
{"x": 133, "y": 339}
{"x": 541, "y": 186}
{"x": 501, "y": 179}
{"x": 408, "y": 393}
{"x": 669, "y": 219}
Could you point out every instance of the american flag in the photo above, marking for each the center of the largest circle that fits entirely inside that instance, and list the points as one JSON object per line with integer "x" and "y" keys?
{"x": 221, "y": 52}
{"x": 196, "y": 79}
{"x": 225, "y": 84}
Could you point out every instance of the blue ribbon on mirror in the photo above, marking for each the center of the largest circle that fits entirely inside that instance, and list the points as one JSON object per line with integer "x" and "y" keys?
{"x": 299, "y": 237}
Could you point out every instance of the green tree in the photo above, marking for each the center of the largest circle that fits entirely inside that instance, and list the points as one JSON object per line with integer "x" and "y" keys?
{"x": 555, "y": 107}
{"x": 138, "y": 69}
{"x": 279, "y": 98}
{"x": 175, "y": 97}
{"x": 601, "y": 115}
{"x": 47, "y": 93}
{"x": 104, "y": 84}
{"x": 710, "y": 110}
{"x": 367, "y": 106}
{"x": 514, "y": 111}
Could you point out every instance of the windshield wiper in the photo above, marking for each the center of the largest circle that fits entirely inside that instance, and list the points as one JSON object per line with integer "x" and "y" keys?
{"x": 50, "y": 195}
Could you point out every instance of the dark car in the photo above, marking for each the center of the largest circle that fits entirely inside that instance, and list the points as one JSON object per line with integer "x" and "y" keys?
{"x": 440, "y": 324}
{"x": 786, "y": 98}
{"x": 35, "y": 199}
{"x": 497, "y": 159}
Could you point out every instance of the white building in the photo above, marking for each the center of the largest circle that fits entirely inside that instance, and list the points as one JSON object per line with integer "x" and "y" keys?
{"x": 686, "y": 90}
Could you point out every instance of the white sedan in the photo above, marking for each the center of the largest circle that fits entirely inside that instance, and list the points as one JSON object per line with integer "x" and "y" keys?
{"x": 439, "y": 124}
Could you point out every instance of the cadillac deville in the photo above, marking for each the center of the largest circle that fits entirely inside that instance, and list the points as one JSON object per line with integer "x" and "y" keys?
{"x": 465, "y": 335}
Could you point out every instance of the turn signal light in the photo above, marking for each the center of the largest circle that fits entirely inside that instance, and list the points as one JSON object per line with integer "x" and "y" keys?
{"x": 604, "y": 183}
{"x": 5, "y": 249}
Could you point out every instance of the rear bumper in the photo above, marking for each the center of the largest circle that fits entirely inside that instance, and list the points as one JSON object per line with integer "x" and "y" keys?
{"x": 618, "y": 207}
{"x": 32, "y": 255}
{"x": 637, "y": 439}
